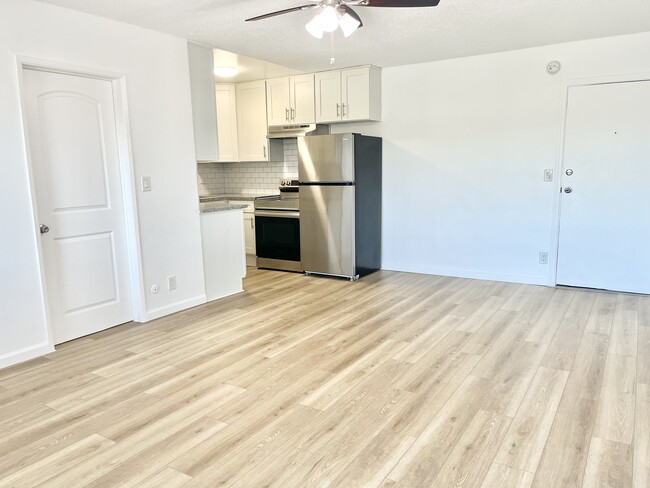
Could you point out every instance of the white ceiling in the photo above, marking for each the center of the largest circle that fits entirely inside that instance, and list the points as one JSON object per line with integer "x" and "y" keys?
{"x": 390, "y": 37}
{"x": 249, "y": 68}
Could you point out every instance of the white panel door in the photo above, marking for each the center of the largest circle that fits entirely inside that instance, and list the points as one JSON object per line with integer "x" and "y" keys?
{"x": 605, "y": 207}
{"x": 328, "y": 96}
{"x": 303, "y": 108}
{"x": 277, "y": 101}
{"x": 73, "y": 146}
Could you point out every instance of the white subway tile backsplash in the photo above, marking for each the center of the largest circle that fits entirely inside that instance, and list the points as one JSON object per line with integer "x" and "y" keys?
{"x": 250, "y": 177}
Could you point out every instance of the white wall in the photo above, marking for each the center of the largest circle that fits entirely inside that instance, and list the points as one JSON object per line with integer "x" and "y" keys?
{"x": 466, "y": 142}
{"x": 160, "y": 116}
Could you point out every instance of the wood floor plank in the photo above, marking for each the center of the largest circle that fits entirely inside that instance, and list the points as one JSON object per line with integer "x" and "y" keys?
{"x": 501, "y": 476}
{"x": 509, "y": 387}
{"x": 549, "y": 320}
{"x": 641, "y": 475}
{"x": 167, "y": 477}
{"x": 623, "y": 338}
{"x": 483, "y": 312}
{"x": 472, "y": 456}
{"x": 565, "y": 454}
{"x": 586, "y": 375}
{"x": 644, "y": 311}
{"x": 643, "y": 353}
{"x": 145, "y": 451}
{"x": 397, "y": 379}
{"x": 57, "y": 462}
{"x": 565, "y": 343}
{"x": 425, "y": 458}
{"x": 616, "y": 405}
{"x": 608, "y": 464}
{"x": 602, "y": 314}
{"x": 524, "y": 443}
{"x": 155, "y": 457}
{"x": 375, "y": 461}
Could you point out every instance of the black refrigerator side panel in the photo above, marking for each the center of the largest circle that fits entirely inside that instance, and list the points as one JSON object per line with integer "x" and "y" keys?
{"x": 368, "y": 171}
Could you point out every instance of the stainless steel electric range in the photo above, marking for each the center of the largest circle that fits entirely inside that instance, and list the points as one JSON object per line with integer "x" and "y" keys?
{"x": 277, "y": 229}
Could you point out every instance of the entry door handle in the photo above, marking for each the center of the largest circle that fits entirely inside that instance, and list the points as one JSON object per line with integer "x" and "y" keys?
{"x": 44, "y": 229}
{"x": 568, "y": 189}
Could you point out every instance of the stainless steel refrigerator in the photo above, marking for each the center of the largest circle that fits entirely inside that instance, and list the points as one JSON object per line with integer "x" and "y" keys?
{"x": 340, "y": 204}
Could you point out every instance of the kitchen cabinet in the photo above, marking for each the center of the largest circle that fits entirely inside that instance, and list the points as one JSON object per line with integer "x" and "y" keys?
{"x": 204, "y": 112}
{"x": 226, "y": 100}
{"x": 290, "y": 100}
{"x": 348, "y": 95}
{"x": 251, "y": 125}
{"x": 224, "y": 263}
{"x": 249, "y": 232}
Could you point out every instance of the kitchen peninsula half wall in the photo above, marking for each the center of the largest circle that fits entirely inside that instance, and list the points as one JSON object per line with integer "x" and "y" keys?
{"x": 248, "y": 178}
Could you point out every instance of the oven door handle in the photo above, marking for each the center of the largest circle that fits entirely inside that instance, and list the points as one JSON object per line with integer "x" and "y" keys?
{"x": 280, "y": 214}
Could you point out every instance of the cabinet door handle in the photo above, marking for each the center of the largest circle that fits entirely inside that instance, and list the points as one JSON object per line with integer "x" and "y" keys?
{"x": 338, "y": 114}
{"x": 264, "y": 151}
{"x": 293, "y": 114}
{"x": 286, "y": 114}
{"x": 252, "y": 222}
{"x": 343, "y": 110}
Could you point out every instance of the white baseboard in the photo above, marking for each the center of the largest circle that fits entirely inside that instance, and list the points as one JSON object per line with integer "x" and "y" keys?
{"x": 156, "y": 313}
{"x": 466, "y": 273}
{"x": 25, "y": 354}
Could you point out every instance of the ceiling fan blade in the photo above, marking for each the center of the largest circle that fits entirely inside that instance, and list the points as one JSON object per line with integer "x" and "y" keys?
{"x": 399, "y": 3}
{"x": 351, "y": 13}
{"x": 282, "y": 12}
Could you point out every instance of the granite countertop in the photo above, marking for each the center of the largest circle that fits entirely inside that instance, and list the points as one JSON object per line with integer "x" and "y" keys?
{"x": 247, "y": 198}
{"x": 217, "y": 206}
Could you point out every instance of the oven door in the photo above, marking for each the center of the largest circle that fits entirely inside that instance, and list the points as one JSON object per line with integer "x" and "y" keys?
{"x": 277, "y": 235}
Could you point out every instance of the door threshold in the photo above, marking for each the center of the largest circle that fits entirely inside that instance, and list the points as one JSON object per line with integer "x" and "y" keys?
{"x": 602, "y": 290}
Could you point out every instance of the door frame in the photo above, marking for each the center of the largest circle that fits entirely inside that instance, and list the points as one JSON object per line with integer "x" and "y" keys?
{"x": 559, "y": 159}
{"x": 127, "y": 177}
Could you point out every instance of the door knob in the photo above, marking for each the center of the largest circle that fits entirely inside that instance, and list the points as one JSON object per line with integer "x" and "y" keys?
{"x": 44, "y": 229}
{"x": 569, "y": 172}
{"x": 568, "y": 189}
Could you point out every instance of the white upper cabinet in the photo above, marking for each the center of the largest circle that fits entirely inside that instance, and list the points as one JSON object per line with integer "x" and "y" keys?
{"x": 227, "y": 122}
{"x": 302, "y": 109}
{"x": 278, "y": 101}
{"x": 251, "y": 121}
{"x": 328, "y": 96}
{"x": 348, "y": 95}
{"x": 204, "y": 114}
{"x": 290, "y": 100}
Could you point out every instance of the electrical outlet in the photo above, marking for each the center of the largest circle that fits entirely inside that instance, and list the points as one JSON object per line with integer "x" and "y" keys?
{"x": 171, "y": 282}
{"x": 543, "y": 258}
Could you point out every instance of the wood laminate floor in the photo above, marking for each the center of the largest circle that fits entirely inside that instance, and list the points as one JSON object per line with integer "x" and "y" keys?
{"x": 395, "y": 380}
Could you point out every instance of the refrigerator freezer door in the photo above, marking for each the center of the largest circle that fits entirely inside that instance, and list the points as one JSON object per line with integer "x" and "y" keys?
{"x": 323, "y": 159}
{"x": 327, "y": 238}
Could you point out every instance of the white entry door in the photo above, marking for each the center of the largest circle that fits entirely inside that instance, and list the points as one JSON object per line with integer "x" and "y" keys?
{"x": 605, "y": 201}
{"x": 73, "y": 146}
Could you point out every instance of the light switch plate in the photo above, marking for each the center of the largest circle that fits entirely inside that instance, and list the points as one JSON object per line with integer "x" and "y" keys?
{"x": 548, "y": 175}
{"x": 146, "y": 183}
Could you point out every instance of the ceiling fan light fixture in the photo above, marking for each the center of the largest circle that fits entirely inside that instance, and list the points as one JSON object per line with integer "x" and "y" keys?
{"x": 348, "y": 24}
{"x": 314, "y": 27}
{"x": 329, "y": 18}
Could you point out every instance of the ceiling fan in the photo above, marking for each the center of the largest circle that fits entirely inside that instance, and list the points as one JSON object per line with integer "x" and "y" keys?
{"x": 333, "y": 14}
